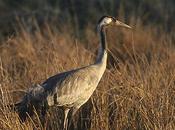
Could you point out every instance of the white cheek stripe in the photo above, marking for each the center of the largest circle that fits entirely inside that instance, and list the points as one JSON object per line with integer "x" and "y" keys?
{"x": 105, "y": 21}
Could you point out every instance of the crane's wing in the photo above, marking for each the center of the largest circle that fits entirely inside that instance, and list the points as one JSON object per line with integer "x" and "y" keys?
{"x": 69, "y": 87}
{"x": 51, "y": 83}
{"x": 37, "y": 95}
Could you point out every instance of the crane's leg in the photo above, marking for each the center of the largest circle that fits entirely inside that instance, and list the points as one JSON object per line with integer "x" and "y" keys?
{"x": 74, "y": 110}
{"x": 66, "y": 111}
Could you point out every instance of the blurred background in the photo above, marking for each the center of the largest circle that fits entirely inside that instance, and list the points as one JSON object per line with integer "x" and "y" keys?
{"x": 40, "y": 38}
{"x": 79, "y": 14}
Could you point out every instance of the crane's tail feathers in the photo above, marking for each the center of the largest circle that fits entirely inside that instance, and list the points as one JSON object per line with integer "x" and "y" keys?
{"x": 34, "y": 99}
{"x": 22, "y": 110}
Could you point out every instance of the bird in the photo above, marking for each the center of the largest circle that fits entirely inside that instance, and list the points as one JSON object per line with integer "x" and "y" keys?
{"x": 71, "y": 89}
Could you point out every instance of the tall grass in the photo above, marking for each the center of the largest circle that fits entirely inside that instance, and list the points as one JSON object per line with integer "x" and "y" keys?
{"x": 136, "y": 92}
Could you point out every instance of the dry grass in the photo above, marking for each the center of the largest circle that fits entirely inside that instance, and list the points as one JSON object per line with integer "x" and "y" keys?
{"x": 136, "y": 92}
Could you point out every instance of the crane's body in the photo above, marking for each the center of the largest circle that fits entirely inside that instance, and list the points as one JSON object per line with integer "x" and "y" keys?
{"x": 72, "y": 89}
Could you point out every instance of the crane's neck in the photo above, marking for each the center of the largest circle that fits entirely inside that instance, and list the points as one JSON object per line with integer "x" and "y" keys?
{"x": 102, "y": 52}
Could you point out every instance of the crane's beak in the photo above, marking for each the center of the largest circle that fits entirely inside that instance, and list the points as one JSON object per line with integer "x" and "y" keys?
{"x": 118, "y": 23}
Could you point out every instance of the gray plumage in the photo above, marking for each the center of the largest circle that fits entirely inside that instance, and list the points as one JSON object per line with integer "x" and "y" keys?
{"x": 71, "y": 89}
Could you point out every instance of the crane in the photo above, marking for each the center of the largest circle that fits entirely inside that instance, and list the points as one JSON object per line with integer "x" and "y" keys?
{"x": 70, "y": 90}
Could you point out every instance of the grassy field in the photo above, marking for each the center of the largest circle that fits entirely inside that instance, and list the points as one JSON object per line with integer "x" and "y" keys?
{"x": 137, "y": 91}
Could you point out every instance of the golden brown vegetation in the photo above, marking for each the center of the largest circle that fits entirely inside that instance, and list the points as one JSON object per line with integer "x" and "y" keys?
{"x": 136, "y": 92}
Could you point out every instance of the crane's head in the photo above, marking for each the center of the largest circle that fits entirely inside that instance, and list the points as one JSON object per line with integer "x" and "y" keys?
{"x": 108, "y": 20}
